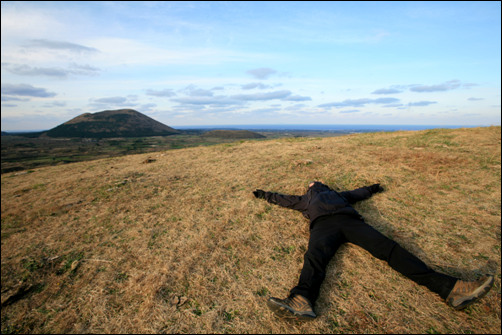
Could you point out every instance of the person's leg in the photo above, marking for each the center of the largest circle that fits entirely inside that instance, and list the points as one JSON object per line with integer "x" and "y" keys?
{"x": 325, "y": 239}
{"x": 360, "y": 233}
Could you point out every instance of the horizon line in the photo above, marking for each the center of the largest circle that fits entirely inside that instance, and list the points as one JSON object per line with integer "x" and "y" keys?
{"x": 300, "y": 126}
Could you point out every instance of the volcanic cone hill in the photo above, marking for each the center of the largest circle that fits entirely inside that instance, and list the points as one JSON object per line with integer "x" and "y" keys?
{"x": 111, "y": 123}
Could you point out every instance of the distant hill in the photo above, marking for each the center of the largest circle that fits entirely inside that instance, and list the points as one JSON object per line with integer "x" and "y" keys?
{"x": 111, "y": 123}
{"x": 233, "y": 134}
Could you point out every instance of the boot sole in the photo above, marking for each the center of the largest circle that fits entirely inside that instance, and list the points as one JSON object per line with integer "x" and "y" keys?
{"x": 285, "y": 312}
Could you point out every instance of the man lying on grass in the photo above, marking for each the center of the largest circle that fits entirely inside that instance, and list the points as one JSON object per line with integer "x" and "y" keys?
{"x": 333, "y": 221}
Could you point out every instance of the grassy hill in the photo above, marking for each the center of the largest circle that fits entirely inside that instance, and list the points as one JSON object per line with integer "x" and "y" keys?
{"x": 175, "y": 242}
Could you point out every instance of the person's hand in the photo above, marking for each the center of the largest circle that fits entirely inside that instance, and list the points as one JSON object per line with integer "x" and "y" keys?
{"x": 376, "y": 188}
{"x": 260, "y": 194}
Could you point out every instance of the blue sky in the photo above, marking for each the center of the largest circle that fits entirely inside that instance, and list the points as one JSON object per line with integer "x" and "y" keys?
{"x": 217, "y": 63}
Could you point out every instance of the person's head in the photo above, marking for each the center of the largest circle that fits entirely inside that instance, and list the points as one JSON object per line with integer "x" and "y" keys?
{"x": 318, "y": 186}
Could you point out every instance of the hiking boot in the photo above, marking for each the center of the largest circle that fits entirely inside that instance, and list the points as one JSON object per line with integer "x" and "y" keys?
{"x": 465, "y": 293}
{"x": 293, "y": 307}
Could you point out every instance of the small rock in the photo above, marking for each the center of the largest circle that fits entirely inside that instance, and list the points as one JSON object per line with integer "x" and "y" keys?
{"x": 175, "y": 300}
{"x": 74, "y": 265}
{"x": 182, "y": 301}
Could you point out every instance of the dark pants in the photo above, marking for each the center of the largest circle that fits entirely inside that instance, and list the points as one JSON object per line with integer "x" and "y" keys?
{"x": 330, "y": 232}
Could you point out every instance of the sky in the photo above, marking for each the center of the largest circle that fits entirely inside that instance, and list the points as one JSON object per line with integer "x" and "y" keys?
{"x": 237, "y": 63}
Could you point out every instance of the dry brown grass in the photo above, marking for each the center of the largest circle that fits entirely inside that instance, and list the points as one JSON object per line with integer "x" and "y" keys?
{"x": 180, "y": 245}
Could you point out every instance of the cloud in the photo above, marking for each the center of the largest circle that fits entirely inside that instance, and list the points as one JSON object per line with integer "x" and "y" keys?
{"x": 26, "y": 90}
{"x": 446, "y": 86}
{"x": 350, "y": 111}
{"x": 475, "y": 99}
{"x": 263, "y": 96}
{"x": 396, "y": 105}
{"x": 166, "y": 93}
{"x": 297, "y": 98}
{"x": 359, "y": 102}
{"x": 54, "y": 104}
{"x": 207, "y": 100}
{"x": 129, "y": 51}
{"x": 194, "y": 91}
{"x": 83, "y": 69}
{"x": 261, "y": 73}
{"x": 386, "y": 91}
{"x": 59, "y": 45}
{"x": 14, "y": 99}
{"x": 254, "y": 85}
{"x": 112, "y": 102}
{"x": 421, "y": 103}
{"x": 146, "y": 107}
{"x": 264, "y": 111}
{"x": 198, "y": 98}
{"x": 26, "y": 70}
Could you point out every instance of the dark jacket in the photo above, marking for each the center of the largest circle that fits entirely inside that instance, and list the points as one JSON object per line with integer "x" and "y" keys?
{"x": 320, "y": 200}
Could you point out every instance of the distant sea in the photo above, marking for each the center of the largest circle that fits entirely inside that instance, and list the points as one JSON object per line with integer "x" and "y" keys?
{"x": 352, "y": 128}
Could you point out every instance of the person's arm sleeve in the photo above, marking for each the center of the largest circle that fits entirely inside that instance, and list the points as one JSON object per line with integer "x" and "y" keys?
{"x": 362, "y": 193}
{"x": 288, "y": 201}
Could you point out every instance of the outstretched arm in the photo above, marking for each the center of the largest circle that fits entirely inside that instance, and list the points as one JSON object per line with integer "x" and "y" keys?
{"x": 283, "y": 200}
{"x": 361, "y": 193}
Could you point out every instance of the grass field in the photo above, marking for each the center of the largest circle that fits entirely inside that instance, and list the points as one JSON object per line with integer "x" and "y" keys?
{"x": 24, "y": 153}
{"x": 27, "y": 152}
{"x": 175, "y": 242}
